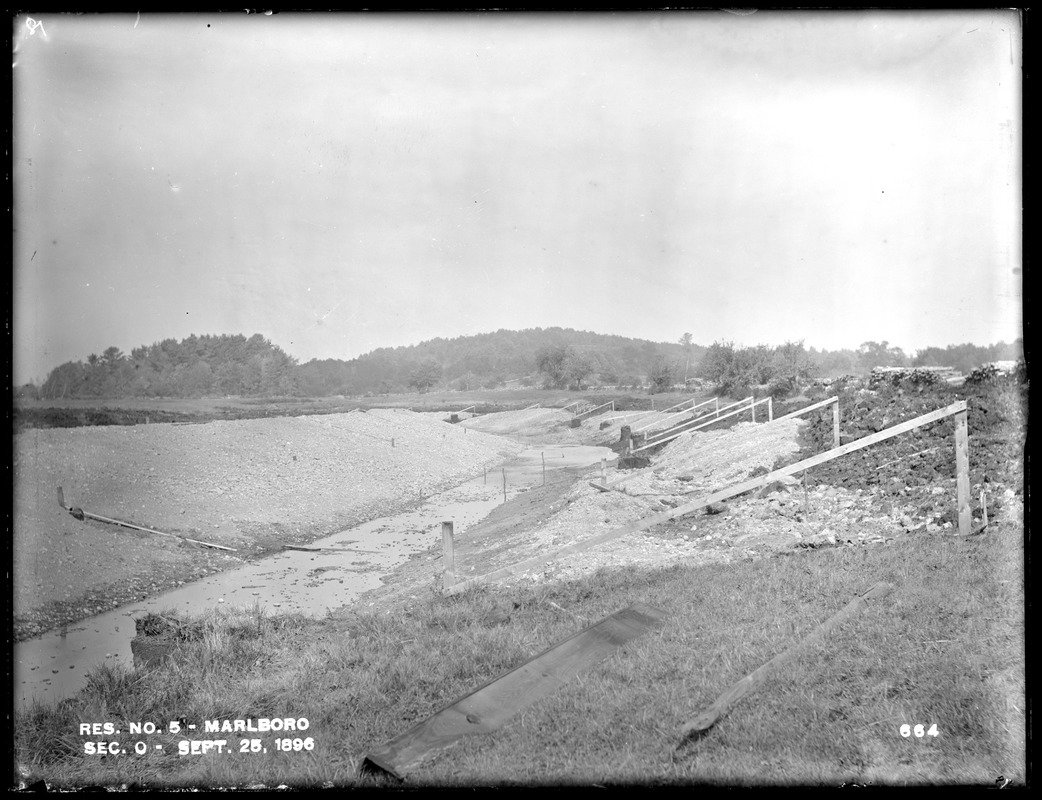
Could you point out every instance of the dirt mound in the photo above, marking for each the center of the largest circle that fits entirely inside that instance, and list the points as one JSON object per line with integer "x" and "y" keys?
{"x": 924, "y": 457}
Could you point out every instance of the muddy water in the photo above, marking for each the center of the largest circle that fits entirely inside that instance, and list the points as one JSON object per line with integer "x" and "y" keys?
{"x": 348, "y": 564}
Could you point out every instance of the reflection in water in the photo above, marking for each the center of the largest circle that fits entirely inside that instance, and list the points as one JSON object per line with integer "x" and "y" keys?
{"x": 352, "y": 562}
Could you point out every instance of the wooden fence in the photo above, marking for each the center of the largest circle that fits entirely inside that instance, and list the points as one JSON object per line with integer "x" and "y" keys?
{"x": 669, "y": 410}
{"x": 962, "y": 471}
{"x": 696, "y": 424}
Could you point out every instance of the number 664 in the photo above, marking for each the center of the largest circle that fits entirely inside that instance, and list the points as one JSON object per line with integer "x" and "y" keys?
{"x": 919, "y": 731}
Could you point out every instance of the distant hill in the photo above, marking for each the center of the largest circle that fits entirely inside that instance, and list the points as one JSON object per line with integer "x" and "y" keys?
{"x": 488, "y": 360}
{"x": 213, "y": 366}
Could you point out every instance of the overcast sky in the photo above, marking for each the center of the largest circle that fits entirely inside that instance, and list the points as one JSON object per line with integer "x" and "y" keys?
{"x": 343, "y": 183}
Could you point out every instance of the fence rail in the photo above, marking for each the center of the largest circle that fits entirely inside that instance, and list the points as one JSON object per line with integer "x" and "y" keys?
{"x": 671, "y": 411}
{"x": 591, "y": 411}
{"x": 834, "y": 402}
{"x": 686, "y": 427}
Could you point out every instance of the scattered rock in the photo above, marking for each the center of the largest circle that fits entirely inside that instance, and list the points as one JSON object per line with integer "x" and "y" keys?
{"x": 781, "y": 486}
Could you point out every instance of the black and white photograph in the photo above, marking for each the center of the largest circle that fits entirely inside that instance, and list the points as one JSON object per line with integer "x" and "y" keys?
{"x": 517, "y": 399}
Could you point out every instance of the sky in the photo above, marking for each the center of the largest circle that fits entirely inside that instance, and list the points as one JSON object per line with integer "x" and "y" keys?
{"x": 341, "y": 183}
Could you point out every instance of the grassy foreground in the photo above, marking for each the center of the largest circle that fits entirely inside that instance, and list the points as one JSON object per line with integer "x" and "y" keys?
{"x": 946, "y": 647}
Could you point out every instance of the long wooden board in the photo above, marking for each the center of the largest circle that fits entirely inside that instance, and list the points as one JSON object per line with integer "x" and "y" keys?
{"x": 88, "y": 515}
{"x": 807, "y": 409}
{"x": 670, "y": 410}
{"x": 492, "y": 704}
{"x": 670, "y": 434}
{"x": 751, "y": 682}
{"x": 715, "y": 497}
{"x": 674, "y": 430}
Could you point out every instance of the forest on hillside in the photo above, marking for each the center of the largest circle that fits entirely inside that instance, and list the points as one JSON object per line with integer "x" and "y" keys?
{"x": 234, "y": 365}
{"x": 198, "y": 366}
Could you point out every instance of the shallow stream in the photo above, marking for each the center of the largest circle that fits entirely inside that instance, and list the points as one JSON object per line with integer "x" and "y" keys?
{"x": 350, "y": 563}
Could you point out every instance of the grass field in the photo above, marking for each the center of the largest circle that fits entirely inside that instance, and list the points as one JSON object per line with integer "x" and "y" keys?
{"x": 945, "y": 648}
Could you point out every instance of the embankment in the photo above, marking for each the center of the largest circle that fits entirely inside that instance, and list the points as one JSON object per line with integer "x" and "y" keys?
{"x": 248, "y": 484}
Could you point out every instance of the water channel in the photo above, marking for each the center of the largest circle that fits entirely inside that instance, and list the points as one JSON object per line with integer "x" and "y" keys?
{"x": 53, "y": 666}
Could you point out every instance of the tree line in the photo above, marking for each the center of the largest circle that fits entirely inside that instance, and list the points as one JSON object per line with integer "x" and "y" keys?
{"x": 235, "y": 365}
{"x": 786, "y": 368}
{"x": 198, "y": 366}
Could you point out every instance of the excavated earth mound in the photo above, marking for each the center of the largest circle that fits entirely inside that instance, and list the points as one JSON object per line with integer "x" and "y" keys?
{"x": 900, "y": 487}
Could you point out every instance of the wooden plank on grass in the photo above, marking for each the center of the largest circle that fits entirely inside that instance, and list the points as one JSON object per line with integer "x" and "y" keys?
{"x": 715, "y": 497}
{"x": 489, "y": 706}
{"x": 753, "y": 681}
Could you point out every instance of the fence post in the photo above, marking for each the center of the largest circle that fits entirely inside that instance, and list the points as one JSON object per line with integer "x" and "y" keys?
{"x": 753, "y": 407}
{"x": 770, "y": 409}
{"x": 835, "y": 423}
{"x": 604, "y": 474}
{"x": 449, "y": 573}
{"x": 962, "y": 472}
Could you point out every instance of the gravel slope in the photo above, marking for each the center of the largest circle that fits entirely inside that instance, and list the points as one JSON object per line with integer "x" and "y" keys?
{"x": 248, "y": 484}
